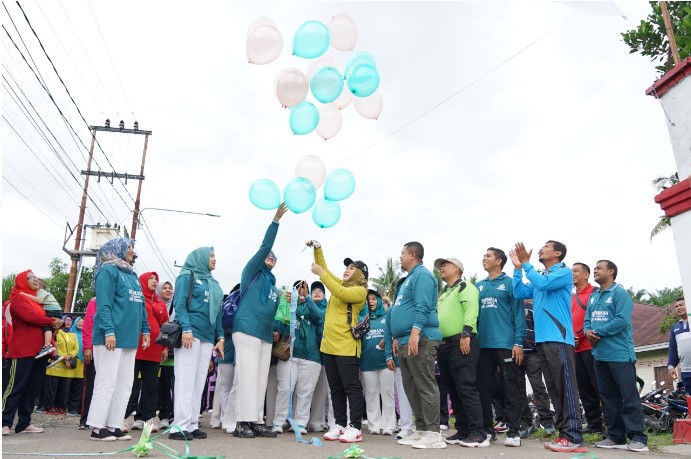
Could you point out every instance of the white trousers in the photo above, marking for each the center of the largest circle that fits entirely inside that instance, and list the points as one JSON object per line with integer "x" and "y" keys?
{"x": 321, "y": 403}
{"x": 191, "y": 368}
{"x": 406, "y": 411}
{"x": 112, "y": 386}
{"x": 380, "y": 383}
{"x": 252, "y": 360}
{"x": 302, "y": 378}
{"x": 224, "y": 384}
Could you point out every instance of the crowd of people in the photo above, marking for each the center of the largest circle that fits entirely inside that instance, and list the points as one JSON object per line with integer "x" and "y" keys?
{"x": 403, "y": 364}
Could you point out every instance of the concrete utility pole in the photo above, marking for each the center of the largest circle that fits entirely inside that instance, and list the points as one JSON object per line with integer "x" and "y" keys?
{"x": 76, "y": 254}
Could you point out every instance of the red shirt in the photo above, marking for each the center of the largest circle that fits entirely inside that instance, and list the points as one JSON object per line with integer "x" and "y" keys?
{"x": 27, "y": 319}
{"x": 578, "y": 317}
{"x": 156, "y": 314}
{"x": 88, "y": 326}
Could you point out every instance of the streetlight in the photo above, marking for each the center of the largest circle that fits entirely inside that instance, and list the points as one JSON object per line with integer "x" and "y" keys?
{"x": 136, "y": 219}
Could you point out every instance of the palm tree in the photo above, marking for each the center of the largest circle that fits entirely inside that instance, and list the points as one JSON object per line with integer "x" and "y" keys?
{"x": 7, "y": 284}
{"x": 662, "y": 183}
{"x": 386, "y": 282}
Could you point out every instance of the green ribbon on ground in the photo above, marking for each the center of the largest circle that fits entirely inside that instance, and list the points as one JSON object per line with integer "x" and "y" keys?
{"x": 354, "y": 451}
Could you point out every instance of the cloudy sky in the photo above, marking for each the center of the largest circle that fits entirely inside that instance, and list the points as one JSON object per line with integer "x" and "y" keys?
{"x": 502, "y": 122}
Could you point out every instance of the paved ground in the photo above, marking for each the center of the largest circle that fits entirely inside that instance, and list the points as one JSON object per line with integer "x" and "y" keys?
{"x": 62, "y": 437}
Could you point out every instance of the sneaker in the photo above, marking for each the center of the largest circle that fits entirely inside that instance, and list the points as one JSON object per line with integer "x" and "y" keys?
{"x": 163, "y": 424}
{"x": 454, "y": 439}
{"x": 334, "y": 433}
{"x": 562, "y": 445}
{"x": 137, "y": 425}
{"x": 526, "y": 431}
{"x": 73, "y": 414}
{"x": 403, "y": 434}
{"x": 198, "y": 434}
{"x": 608, "y": 443}
{"x": 243, "y": 430}
{"x": 278, "y": 429}
{"x": 262, "y": 430}
{"x": 32, "y": 429}
{"x": 492, "y": 436}
{"x": 228, "y": 430}
{"x": 41, "y": 409}
{"x": 45, "y": 350}
{"x": 83, "y": 427}
{"x": 475, "y": 441}
{"x": 637, "y": 446}
{"x": 443, "y": 427}
{"x": 514, "y": 440}
{"x": 120, "y": 435}
{"x": 387, "y": 432}
{"x": 500, "y": 427}
{"x": 302, "y": 429}
{"x": 351, "y": 435}
{"x": 549, "y": 428}
{"x": 55, "y": 361}
{"x": 431, "y": 440}
{"x": 180, "y": 436}
{"x": 102, "y": 435}
{"x": 375, "y": 432}
{"x": 5, "y": 430}
{"x": 414, "y": 437}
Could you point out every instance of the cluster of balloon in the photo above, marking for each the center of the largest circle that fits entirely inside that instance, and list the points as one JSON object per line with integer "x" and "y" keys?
{"x": 332, "y": 91}
{"x": 300, "y": 194}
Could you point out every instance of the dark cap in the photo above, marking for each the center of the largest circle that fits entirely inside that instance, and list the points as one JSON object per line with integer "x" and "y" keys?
{"x": 373, "y": 292}
{"x": 360, "y": 265}
{"x": 297, "y": 283}
{"x": 319, "y": 285}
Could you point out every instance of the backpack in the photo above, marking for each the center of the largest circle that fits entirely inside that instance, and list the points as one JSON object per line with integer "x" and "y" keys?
{"x": 230, "y": 307}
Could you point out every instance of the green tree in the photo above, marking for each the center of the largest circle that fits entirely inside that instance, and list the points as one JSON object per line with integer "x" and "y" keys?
{"x": 7, "y": 284}
{"x": 666, "y": 296}
{"x": 662, "y": 183}
{"x": 650, "y": 37}
{"x": 388, "y": 277}
{"x": 639, "y": 296}
{"x": 440, "y": 283}
{"x": 57, "y": 284}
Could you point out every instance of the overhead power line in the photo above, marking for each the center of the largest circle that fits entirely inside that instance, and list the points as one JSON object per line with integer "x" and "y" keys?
{"x": 31, "y": 202}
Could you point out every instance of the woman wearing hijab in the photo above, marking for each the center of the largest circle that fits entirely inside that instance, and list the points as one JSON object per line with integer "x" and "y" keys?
{"x": 253, "y": 335}
{"x": 167, "y": 372}
{"x": 77, "y": 385}
{"x": 341, "y": 352}
{"x": 301, "y": 372}
{"x": 119, "y": 320}
{"x": 23, "y": 375}
{"x": 377, "y": 378}
{"x": 144, "y": 397}
{"x": 62, "y": 369}
{"x": 202, "y": 332}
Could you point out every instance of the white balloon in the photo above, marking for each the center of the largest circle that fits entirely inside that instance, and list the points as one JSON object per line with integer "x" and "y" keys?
{"x": 311, "y": 167}
{"x": 344, "y": 99}
{"x": 330, "y": 121}
{"x": 291, "y": 86}
{"x": 369, "y": 107}
{"x": 264, "y": 44}
{"x": 324, "y": 61}
{"x": 260, "y": 21}
{"x": 343, "y": 32}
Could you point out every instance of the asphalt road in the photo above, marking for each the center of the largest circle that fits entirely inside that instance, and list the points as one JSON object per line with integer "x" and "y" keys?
{"x": 61, "y": 437}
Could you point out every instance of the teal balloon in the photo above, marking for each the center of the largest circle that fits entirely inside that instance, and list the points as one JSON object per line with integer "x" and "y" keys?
{"x": 304, "y": 118}
{"x": 265, "y": 194}
{"x": 327, "y": 84}
{"x": 359, "y": 59}
{"x": 326, "y": 213}
{"x": 339, "y": 185}
{"x": 311, "y": 40}
{"x": 299, "y": 195}
{"x": 363, "y": 80}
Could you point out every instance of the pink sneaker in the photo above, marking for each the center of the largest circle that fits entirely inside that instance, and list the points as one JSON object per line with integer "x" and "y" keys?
{"x": 32, "y": 429}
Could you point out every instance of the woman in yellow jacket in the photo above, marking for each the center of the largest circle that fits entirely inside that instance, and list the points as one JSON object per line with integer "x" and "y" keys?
{"x": 340, "y": 351}
{"x": 59, "y": 375}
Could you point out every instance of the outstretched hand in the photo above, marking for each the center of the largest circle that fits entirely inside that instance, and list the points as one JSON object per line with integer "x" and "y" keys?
{"x": 282, "y": 209}
{"x": 523, "y": 254}
{"x": 317, "y": 269}
{"x": 514, "y": 259}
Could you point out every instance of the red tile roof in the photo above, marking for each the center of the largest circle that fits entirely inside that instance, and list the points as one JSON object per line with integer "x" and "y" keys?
{"x": 646, "y": 320}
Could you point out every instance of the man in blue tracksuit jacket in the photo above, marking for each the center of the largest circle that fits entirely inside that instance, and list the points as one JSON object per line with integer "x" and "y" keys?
{"x": 415, "y": 325}
{"x": 551, "y": 294}
{"x": 607, "y": 326}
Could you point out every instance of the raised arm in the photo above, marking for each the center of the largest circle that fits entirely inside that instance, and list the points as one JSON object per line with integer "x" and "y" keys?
{"x": 321, "y": 261}
{"x": 552, "y": 280}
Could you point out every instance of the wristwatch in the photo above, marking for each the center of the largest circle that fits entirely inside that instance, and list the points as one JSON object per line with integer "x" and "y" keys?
{"x": 465, "y": 334}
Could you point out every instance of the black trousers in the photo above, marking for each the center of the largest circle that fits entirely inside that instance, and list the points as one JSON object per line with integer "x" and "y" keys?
{"x": 74, "y": 399}
{"x": 531, "y": 367}
{"x": 458, "y": 372}
{"x": 144, "y": 400}
{"x": 623, "y": 410}
{"x": 165, "y": 392}
{"x": 444, "y": 394}
{"x": 587, "y": 388}
{"x": 343, "y": 375}
{"x": 87, "y": 391}
{"x": 558, "y": 368}
{"x": 22, "y": 380}
{"x": 490, "y": 360}
{"x": 56, "y": 392}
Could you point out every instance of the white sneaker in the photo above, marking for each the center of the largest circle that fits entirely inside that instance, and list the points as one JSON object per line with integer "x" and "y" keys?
{"x": 443, "y": 427}
{"x": 277, "y": 429}
{"x": 387, "y": 432}
{"x": 375, "y": 432}
{"x": 215, "y": 426}
{"x": 137, "y": 425}
{"x": 351, "y": 435}
{"x": 431, "y": 440}
{"x": 228, "y": 430}
{"x": 405, "y": 433}
{"x": 163, "y": 424}
{"x": 512, "y": 441}
{"x": 414, "y": 437}
{"x": 334, "y": 433}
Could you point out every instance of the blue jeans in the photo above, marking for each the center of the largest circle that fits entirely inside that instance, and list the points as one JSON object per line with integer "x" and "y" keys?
{"x": 622, "y": 405}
